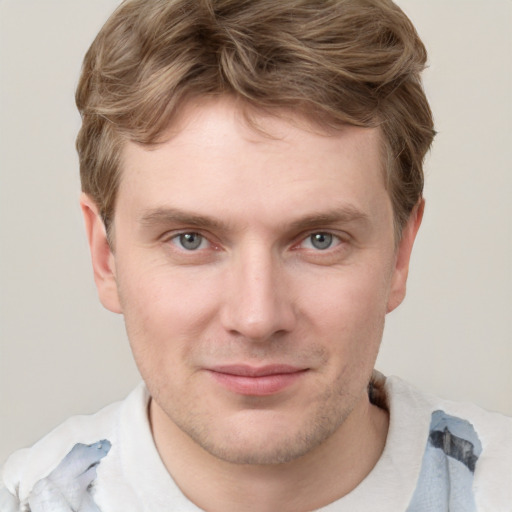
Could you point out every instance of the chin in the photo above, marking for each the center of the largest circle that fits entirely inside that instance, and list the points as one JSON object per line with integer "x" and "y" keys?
{"x": 267, "y": 441}
{"x": 271, "y": 453}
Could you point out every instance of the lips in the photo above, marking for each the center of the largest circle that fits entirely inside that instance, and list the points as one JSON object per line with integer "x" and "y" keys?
{"x": 256, "y": 381}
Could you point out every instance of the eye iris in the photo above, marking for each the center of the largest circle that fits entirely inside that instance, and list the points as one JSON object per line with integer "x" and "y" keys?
{"x": 321, "y": 240}
{"x": 190, "y": 241}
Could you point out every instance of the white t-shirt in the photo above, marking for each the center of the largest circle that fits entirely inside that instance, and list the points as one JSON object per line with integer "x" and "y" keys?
{"x": 439, "y": 456}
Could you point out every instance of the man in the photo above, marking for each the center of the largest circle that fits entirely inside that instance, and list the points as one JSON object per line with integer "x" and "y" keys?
{"x": 252, "y": 178}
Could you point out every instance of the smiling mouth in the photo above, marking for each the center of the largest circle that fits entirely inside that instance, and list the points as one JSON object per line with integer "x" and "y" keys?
{"x": 256, "y": 381}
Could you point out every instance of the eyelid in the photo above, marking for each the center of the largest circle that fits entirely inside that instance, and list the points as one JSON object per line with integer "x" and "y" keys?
{"x": 176, "y": 240}
{"x": 341, "y": 237}
{"x": 335, "y": 241}
{"x": 173, "y": 234}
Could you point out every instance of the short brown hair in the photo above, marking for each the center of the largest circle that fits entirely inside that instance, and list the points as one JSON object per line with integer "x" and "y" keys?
{"x": 334, "y": 61}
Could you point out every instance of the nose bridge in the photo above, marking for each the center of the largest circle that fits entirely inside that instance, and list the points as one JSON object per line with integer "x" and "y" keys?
{"x": 257, "y": 303}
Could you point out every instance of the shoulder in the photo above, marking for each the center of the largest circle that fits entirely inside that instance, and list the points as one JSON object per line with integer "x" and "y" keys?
{"x": 72, "y": 450}
{"x": 471, "y": 445}
{"x": 493, "y": 429}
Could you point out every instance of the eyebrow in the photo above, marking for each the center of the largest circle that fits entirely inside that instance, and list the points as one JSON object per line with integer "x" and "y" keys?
{"x": 160, "y": 216}
{"x": 165, "y": 216}
{"x": 342, "y": 215}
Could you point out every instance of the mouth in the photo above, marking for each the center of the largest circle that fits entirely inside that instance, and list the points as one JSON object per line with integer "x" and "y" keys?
{"x": 256, "y": 381}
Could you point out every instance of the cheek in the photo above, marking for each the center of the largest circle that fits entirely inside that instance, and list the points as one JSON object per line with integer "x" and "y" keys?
{"x": 348, "y": 312}
{"x": 164, "y": 311}
{"x": 159, "y": 295}
{"x": 352, "y": 295}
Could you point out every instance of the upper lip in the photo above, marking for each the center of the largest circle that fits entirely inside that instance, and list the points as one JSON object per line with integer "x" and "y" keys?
{"x": 243, "y": 370}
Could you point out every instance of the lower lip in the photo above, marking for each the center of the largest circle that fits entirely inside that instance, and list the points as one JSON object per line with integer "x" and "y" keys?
{"x": 257, "y": 386}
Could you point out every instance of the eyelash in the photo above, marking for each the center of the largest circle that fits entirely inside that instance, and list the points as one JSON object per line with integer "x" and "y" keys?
{"x": 333, "y": 241}
{"x": 178, "y": 239}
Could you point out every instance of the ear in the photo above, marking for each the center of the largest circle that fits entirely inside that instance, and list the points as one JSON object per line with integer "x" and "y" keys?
{"x": 103, "y": 261}
{"x": 403, "y": 256}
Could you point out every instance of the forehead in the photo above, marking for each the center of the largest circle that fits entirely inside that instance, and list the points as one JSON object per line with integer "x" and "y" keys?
{"x": 217, "y": 156}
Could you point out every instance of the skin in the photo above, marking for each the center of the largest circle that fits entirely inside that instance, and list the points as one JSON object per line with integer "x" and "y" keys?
{"x": 258, "y": 290}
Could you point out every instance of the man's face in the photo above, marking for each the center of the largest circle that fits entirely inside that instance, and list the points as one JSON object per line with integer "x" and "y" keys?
{"x": 254, "y": 272}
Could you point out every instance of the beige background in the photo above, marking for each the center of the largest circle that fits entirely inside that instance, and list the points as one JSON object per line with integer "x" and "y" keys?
{"x": 62, "y": 354}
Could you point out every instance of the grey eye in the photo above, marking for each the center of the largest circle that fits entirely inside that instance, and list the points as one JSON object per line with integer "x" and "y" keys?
{"x": 190, "y": 241}
{"x": 321, "y": 241}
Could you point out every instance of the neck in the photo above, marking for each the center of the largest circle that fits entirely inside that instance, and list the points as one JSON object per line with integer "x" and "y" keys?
{"x": 325, "y": 474}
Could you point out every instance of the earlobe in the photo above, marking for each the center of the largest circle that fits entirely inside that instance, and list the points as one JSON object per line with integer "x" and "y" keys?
{"x": 403, "y": 257}
{"x": 103, "y": 262}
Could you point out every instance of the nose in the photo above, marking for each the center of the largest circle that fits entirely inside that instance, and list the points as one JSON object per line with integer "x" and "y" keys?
{"x": 258, "y": 303}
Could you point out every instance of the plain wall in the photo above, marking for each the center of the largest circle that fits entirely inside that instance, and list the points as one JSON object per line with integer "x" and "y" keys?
{"x": 62, "y": 354}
